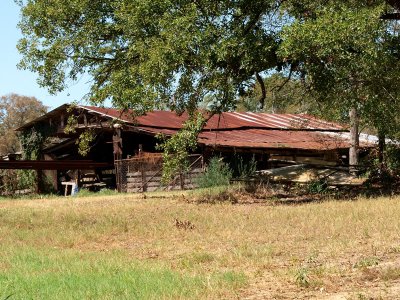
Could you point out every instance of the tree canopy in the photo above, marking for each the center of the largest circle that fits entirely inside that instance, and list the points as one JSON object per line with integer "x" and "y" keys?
{"x": 350, "y": 59}
{"x": 15, "y": 111}
{"x": 143, "y": 54}
{"x": 173, "y": 54}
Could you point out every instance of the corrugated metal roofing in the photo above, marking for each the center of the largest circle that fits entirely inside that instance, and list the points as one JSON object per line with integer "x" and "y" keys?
{"x": 268, "y": 139}
{"x": 227, "y": 120}
{"x": 241, "y": 130}
{"x": 247, "y": 130}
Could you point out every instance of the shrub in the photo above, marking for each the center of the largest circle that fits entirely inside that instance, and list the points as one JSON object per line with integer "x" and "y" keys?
{"x": 217, "y": 173}
{"x": 302, "y": 278}
{"x": 243, "y": 167}
{"x": 9, "y": 181}
{"x": 319, "y": 186}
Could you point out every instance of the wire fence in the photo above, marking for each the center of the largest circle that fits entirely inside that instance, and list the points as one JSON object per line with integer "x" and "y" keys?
{"x": 144, "y": 174}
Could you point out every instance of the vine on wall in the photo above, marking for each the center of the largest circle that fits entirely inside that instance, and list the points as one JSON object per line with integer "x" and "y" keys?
{"x": 85, "y": 139}
{"x": 32, "y": 141}
{"x": 176, "y": 149}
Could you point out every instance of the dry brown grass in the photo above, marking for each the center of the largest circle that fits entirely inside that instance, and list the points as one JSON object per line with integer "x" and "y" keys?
{"x": 348, "y": 249}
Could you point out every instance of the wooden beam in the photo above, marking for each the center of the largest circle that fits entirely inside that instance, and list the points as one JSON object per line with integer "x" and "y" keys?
{"x": 54, "y": 165}
{"x": 391, "y": 16}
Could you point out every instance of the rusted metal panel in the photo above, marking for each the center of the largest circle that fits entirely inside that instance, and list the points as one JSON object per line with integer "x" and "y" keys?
{"x": 271, "y": 139}
{"x": 241, "y": 130}
{"x": 224, "y": 121}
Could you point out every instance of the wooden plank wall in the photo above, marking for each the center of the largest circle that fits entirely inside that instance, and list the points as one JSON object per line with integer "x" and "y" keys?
{"x": 149, "y": 181}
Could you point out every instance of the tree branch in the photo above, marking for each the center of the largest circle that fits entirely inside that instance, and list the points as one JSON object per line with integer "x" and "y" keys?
{"x": 279, "y": 87}
{"x": 263, "y": 90}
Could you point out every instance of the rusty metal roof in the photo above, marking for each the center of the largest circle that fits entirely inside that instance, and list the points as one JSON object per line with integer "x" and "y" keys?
{"x": 246, "y": 130}
{"x": 268, "y": 139}
{"x": 241, "y": 130}
{"x": 224, "y": 121}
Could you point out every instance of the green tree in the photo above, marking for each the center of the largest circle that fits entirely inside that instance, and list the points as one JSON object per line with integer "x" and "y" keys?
{"x": 146, "y": 54}
{"x": 283, "y": 95}
{"x": 348, "y": 59}
{"x": 15, "y": 111}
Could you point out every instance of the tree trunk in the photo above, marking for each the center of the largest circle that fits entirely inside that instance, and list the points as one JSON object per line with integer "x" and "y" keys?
{"x": 381, "y": 148}
{"x": 354, "y": 140}
{"x": 381, "y": 153}
{"x": 39, "y": 182}
{"x": 263, "y": 90}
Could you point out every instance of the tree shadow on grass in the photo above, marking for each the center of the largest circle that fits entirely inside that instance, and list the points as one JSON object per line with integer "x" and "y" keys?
{"x": 291, "y": 195}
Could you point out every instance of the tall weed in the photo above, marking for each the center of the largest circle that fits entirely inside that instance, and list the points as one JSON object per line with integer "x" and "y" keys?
{"x": 217, "y": 173}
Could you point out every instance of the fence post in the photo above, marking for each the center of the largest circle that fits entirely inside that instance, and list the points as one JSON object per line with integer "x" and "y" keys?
{"x": 182, "y": 181}
{"x": 144, "y": 185}
{"x": 117, "y": 176}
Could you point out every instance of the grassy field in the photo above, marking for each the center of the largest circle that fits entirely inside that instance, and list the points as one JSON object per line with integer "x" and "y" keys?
{"x": 159, "y": 246}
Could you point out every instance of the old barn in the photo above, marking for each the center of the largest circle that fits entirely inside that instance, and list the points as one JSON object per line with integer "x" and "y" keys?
{"x": 123, "y": 153}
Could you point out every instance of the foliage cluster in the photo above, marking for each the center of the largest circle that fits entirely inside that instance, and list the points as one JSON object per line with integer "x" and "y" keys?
{"x": 348, "y": 58}
{"x": 15, "y": 111}
{"x": 318, "y": 186}
{"x": 177, "y": 148}
{"x": 197, "y": 48}
{"x": 242, "y": 166}
{"x": 218, "y": 173}
{"x": 13, "y": 180}
{"x": 386, "y": 172}
{"x": 32, "y": 142}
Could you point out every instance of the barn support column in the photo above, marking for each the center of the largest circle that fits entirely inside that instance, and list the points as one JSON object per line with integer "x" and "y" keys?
{"x": 39, "y": 182}
{"x": 117, "y": 151}
{"x": 117, "y": 143}
{"x": 354, "y": 140}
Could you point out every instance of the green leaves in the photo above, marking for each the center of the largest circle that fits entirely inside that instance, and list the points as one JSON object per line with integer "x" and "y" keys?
{"x": 148, "y": 54}
{"x": 177, "y": 148}
{"x": 170, "y": 54}
{"x": 342, "y": 50}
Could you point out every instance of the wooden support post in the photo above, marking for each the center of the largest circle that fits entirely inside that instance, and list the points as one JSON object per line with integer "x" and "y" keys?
{"x": 117, "y": 144}
{"x": 118, "y": 171}
{"x": 39, "y": 181}
{"x": 354, "y": 140}
{"x": 144, "y": 185}
{"x": 182, "y": 180}
{"x": 381, "y": 147}
{"x": 140, "y": 150}
{"x": 117, "y": 151}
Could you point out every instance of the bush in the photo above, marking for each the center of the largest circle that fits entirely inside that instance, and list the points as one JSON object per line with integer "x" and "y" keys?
{"x": 9, "y": 182}
{"x": 217, "y": 173}
{"x": 318, "y": 186}
{"x": 243, "y": 167}
{"x": 393, "y": 158}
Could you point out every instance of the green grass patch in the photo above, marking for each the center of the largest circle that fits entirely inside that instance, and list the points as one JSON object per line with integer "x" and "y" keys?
{"x": 33, "y": 274}
{"x": 366, "y": 262}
